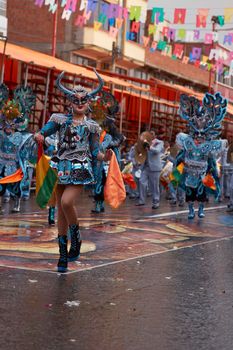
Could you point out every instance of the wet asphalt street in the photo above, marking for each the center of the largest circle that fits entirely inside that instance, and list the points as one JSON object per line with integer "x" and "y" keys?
{"x": 182, "y": 299}
{"x": 173, "y": 299}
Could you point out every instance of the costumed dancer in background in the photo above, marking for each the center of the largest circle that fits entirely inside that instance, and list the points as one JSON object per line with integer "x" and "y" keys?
{"x": 196, "y": 169}
{"x": 78, "y": 146}
{"x": 110, "y": 139}
{"x": 176, "y": 193}
{"x": 229, "y": 185}
{"x": 17, "y": 146}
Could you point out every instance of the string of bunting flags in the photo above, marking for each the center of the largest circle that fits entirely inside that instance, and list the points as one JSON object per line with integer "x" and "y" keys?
{"x": 114, "y": 15}
{"x": 137, "y": 13}
{"x": 223, "y": 60}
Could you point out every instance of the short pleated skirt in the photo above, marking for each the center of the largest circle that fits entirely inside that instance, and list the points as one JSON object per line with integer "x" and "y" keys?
{"x": 73, "y": 172}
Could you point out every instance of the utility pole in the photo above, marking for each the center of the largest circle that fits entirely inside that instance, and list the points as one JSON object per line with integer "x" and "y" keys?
{"x": 2, "y": 65}
{"x": 54, "y": 38}
{"x": 215, "y": 20}
{"x": 113, "y": 56}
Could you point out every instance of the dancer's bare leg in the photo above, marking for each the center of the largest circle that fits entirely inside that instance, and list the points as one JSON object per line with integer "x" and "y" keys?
{"x": 70, "y": 198}
{"x": 62, "y": 223}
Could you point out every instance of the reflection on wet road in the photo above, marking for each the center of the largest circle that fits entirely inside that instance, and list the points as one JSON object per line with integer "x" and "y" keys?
{"x": 146, "y": 281}
{"x": 27, "y": 242}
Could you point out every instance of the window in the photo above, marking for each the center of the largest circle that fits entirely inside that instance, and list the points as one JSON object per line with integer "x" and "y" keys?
{"x": 83, "y": 61}
{"x": 227, "y": 80}
{"x": 3, "y": 8}
{"x": 105, "y": 66}
{"x": 140, "y": 74}
{"x": 121, "y": 71}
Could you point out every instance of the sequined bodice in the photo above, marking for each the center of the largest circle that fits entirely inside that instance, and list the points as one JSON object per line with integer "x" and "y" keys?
{"x": 196, "y": 157}
{"x": 77, "y": 137}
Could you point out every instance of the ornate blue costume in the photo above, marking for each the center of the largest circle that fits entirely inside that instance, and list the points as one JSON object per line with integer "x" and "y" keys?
{"x": 200, "y": 148}
{"x": 77, "y": 147}
{"x": 112, "y": 139}
{"x": 101, "y": 171}
{"x": 17, "y": 146}
{"x": 77, "y": 152}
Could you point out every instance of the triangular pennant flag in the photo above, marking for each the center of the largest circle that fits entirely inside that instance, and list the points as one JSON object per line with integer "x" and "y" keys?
{"x": 97, "y": 25}
{"x": 145, "y": 40}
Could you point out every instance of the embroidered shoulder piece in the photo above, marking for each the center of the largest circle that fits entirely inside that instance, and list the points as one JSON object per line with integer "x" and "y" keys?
{"x": 93, "y": 126}
{"x": 58, "y": 118}
{"x": 218, "y": 146}
{"x": 180, "y": 139}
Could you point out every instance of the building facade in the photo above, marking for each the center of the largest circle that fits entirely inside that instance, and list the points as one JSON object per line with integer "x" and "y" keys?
{"x": 125, "y": 56}
{"x": 3, "y": 18}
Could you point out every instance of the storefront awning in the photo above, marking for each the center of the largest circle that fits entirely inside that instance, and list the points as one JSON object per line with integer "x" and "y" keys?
{"x": 40, "y": 59}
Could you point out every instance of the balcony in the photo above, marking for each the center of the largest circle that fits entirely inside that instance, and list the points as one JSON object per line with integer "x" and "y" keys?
{"x": 225, "y": 90}
{"x": 134, "y": 51}
{"x": 90, "y": 37}
{"x": 97, "y": 46}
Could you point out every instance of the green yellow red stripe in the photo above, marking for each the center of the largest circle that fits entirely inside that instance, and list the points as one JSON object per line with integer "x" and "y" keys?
{"x": 46, "y": 190}
{"x": 46, "y": 180}
{"x": 42, "y": 168}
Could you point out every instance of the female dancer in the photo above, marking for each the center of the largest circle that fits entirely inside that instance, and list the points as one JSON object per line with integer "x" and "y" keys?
{"x": 78, "y": 148}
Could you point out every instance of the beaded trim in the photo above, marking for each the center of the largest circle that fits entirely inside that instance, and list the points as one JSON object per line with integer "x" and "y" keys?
{"x": 58, "y": 118}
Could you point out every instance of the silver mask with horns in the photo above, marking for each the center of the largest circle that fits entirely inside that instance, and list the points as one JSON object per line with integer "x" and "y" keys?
{"x": 79, "y": 95}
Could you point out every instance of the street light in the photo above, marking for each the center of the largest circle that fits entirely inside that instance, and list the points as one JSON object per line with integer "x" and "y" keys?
{"x": 215, "y": 20}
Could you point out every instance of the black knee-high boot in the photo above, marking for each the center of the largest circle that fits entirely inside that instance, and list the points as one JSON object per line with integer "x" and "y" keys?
{"x": 74, "y": 252}
{"x": 63, "y": 260}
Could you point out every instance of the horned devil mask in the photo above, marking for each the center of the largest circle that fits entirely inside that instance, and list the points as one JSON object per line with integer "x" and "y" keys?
{"x": 204, "y": 121}
{"x": 79, "y": 95}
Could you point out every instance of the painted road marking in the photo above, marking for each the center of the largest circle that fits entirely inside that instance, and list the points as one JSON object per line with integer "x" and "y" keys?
{"x": 173, "y": 213}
